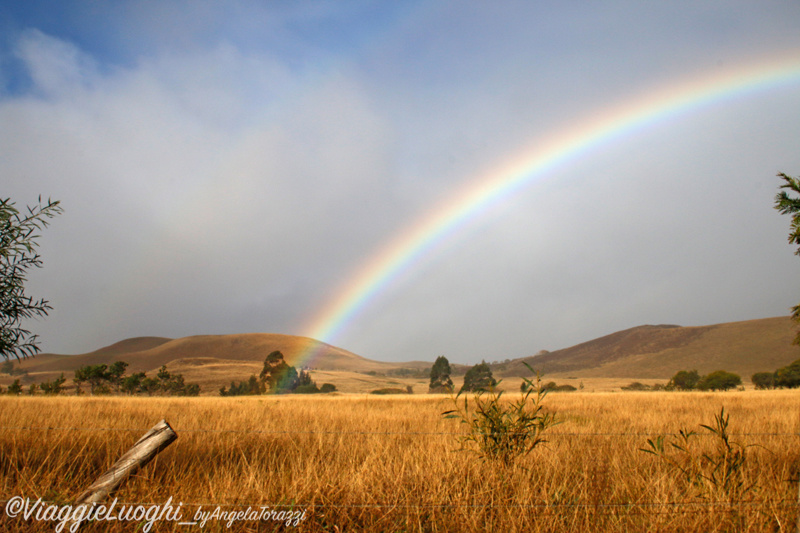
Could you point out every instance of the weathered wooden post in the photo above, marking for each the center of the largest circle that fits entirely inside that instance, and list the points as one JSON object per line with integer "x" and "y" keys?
{"x": 159, "y": 437}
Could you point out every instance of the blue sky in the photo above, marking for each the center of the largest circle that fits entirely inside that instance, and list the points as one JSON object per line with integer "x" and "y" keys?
{"x": 228, "y": 168}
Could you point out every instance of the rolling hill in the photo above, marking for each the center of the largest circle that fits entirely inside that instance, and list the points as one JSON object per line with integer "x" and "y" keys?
{"x": 661, "y": 351}
{"x": 643, "y": 352}
{"x": 145, "y": 354}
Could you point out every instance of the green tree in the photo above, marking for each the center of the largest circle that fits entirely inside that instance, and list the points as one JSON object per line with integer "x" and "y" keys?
{"x": 115, "y": 372}
{"x": 15, "y": 388}
{"x": 53, "y": 388}
{"x": 788, "y": 204}
{"x": 440, "y": 376}
{"x": 719, "y": 380}
{"x": 684, "y": 380}
{"x": 763, "y": 380}
{"x": 478, "y": 378}
{"x": 788, "y": 376}
{"x": 18, "y": 254}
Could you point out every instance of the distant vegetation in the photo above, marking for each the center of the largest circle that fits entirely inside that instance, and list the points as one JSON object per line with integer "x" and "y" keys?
{"x": 692, "y": 380}
{"x": 787, "y": 377}
{"x": 478, "y": 378}
{"x": 277, "y": 377}
{"x": 440, "y": 376}
{"x": 407, "y": 390}
{"x": 105, "y": 379}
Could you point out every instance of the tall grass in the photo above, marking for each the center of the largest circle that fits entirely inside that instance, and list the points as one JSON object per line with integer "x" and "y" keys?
{"x": 392, "y": 464}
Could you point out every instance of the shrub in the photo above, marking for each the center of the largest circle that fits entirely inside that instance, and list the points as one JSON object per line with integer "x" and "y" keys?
{"x": 504, "y": 431}
{"x": 684, "y": 380}
{"x": 788, "y": 376}
{"x": 389, "y": 391}
{"x": 328, "y": 387}
{"x": 636, "y": 386}
{"x": 714, "y": 473}
{"x": 719, "y": 380}
{"x": 763, "y": 380}
{"x": 478, "y": 378}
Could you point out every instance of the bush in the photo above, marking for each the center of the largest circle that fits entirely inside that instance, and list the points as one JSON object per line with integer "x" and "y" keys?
{"x": 503, "y": 431}
{"x": 719, "y": 380}
{"x": 636, "y": 386}
{"x": 788, "y": 376}
{"x": 389, "y": 391}
{"x": 310, "y": 388}
{"x": 328, "y": 387}
{"x": 478, "y": 378}
{"x": 763, "y": 380}
{"x": 684, "y": 380}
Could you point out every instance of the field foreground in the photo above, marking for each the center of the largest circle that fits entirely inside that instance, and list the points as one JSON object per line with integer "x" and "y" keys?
{"x": 366, "y": 463}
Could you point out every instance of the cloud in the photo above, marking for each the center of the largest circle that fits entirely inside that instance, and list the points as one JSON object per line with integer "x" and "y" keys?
{"x": 233, "y": 169}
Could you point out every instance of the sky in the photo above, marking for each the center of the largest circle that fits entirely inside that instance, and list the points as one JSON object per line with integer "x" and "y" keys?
{"x": 236, "y": 167}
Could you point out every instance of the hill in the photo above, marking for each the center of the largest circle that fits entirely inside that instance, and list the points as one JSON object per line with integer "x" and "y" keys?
{"x": 661, "y": 351}
{"x": 145, "y": 354}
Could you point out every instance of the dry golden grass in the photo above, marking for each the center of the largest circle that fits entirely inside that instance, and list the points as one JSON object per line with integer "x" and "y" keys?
{"x": 366, "y": 463}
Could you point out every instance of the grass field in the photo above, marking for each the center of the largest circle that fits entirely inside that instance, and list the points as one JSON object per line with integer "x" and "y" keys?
{"x": 366, "y": 463}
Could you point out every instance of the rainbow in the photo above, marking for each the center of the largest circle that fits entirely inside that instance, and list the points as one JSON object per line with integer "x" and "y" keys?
{"x": 429, "y": 232}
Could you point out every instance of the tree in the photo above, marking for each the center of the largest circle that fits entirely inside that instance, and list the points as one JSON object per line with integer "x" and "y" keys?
{"x": 790, "y": 205}
{"x": 788, "y": 376}
{"x": 115, "y": 372}
{"x": 763, "y": 380}
{"x": 478, "y": 378}
{"x": 719, "y": 380}
{"x": 18, "y": 254}
{"x": 53, "y": 388}
{"x": 440, "y": 376}
{"x": 684, "y": 380}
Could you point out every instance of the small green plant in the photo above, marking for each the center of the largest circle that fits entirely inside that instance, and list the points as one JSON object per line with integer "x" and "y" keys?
{"x": 715, "y": 473}
{"x": 504, "y": 431}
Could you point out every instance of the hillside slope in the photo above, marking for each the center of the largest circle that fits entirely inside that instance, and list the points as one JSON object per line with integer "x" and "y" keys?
{"x": 660, "y": 351}
{"x": 145, "y": 354}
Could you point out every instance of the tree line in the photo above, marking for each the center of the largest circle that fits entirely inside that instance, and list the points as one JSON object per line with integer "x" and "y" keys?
{"x": 108, "y": 379}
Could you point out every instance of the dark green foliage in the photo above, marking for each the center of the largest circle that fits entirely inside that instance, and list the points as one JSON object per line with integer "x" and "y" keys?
{"x": 440, "y": 376}
{"x": 719, "y": 380}
{"x": 636, "y": 386}
{"x": 788, "y": 376}
{"x": 251, "y": 387}
{"x": 790, "y": 205}
{"x": 15, "y": 388}
{"x": 101, "y": 377}
{"x": 327, "y": 387}
{"x": 276, "y": 377}
{"x": 132, "y": 384}
{"x": 53, "y": 388}
{"x": 310, "y": 388}
{"x": 478, "y": 378}
{"x": 763, "y": 380}
{"x": 390, "y": 391}
{"x": 503, "y": 431}
{"x": 684, "y": 380}
{"x": 18, "y": 254}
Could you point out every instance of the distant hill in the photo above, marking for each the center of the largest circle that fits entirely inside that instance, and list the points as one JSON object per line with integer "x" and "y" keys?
{"x": 145, "y": 354}
{"x": 660, "y": 351}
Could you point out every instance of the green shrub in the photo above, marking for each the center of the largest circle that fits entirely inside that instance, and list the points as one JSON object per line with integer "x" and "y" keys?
{"x": 719, "y": 380}
{"x": 389, "y": 391}
{"x": 763, "y": 380}
{"x": 327, "y": 387}
{"x": 715, "y": 473}
{"x": 503, "y": 431}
